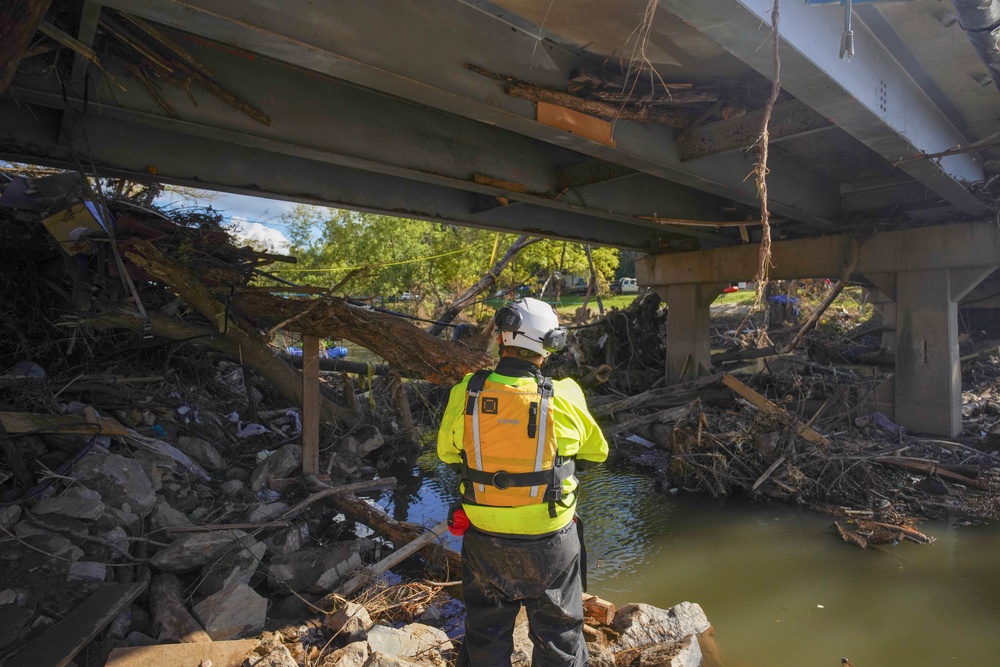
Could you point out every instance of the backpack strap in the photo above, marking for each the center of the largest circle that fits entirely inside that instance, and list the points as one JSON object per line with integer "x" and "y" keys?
{"x": 476, "y": 384}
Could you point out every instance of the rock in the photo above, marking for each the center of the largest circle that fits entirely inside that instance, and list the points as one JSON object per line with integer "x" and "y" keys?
{"x": 351, "y": 621}
{"x": 119, "y": 480}
{"x": 345, "y": 464}
{"x": 77, "y": 491}
{"x": 641, "y": 624}
{"x": 165, "y": 516}
{"x": 294, "y": 606}
{"x": 238, "y": 473}
{"x": 122, "y": 518}
{"x": 119, "y": 539}
{"x": 282, "y": 463}
{"x": 433, "y": 616}
{"x": 684, "y": 652}
{"x": 74, "y": 508}
{"x": 49, "y": 542}
{"x": 363, "y": 441}
{"x": 353, "y": 655}
{"x": 408, "y": 641}
{"x": 600, "y": 656}
{"x": 195, "y": 550}
{"x": 232, "y": 487}
{"x": 9, "y": 516}
{"x": 288, "y": 540}
{"x": 232, "y": 613}
{"x": 204, "y": 453}
{"x": 236, "y": 566}
{"x": 266, "y": 512}
{"x": 277, "y": 657}
{"x": 384, "y": 660}
{"x": 8, "y": 596}
{"x": 521, "y": 657}
{"x": 136, "y": 638}
{"x": 87, "y": 571}
{"x": 319, "y": 569}
{"x": 13, "y": 620}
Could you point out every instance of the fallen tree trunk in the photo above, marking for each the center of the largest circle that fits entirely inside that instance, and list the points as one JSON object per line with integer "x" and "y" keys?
{"x": 174, "y": 329}
{"x": 18, "y": 22}
{"x": 404, "y": 346}
{"x": 442, "y": 562}
{"x": 665, "y": 397}
{"x": 484, "y": 284}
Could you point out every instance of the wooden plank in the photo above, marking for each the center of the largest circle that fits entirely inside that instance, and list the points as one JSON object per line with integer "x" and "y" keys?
{"x": 575, "y": 122}
{"x": 310, "y": 404}
{"x": 764, "y": 404}
{"x": 218, "y": 654}
{"x": 60, "y": 643}
{"x": 28, "y": 422}
{"x": 602, "y": 611}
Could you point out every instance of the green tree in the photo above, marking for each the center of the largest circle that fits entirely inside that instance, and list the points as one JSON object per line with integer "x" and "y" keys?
{"x": 433, "y": 259}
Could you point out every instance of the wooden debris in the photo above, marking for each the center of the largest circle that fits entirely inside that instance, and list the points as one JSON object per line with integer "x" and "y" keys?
{"x": 31, "y": 422}
{"x": 58, "y": 645}
{"x": 601, "y": 611}
{"x": 764, "y": 404}
{"x": 216, "y": 654}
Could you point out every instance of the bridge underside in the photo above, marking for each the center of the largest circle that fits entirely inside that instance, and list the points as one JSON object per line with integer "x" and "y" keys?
{"x": 487, "y": 114}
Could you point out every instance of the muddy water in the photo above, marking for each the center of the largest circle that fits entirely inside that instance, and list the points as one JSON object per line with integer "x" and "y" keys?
{"x": 778, "y": 584}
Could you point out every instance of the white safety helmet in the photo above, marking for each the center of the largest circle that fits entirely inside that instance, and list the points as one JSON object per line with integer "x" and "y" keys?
{"x": 530, "y": 324}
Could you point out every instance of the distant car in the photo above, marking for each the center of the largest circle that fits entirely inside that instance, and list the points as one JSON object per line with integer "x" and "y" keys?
{"x": 629, "y": 286}
{"x": 409, "y": 296}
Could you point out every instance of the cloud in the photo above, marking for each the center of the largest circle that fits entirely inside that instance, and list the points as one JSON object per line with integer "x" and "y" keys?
{"x": 260, "y": 235}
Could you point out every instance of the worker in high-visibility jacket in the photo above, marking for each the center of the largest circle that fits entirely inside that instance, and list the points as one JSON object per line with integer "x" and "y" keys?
{"x": 517, "y": 440}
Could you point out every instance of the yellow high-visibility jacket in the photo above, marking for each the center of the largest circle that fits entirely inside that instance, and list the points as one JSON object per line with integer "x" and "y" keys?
{"x": 577, "y": 435}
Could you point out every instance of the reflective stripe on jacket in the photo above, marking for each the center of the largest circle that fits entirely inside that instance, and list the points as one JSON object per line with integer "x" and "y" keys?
{"x": 576, "y": 435}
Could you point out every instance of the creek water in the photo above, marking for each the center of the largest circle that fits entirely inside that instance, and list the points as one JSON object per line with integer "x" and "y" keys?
{"x": 779, "y": 586}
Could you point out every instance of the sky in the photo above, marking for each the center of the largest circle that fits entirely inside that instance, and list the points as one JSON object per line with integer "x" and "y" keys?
{"x": 253, "y": 218}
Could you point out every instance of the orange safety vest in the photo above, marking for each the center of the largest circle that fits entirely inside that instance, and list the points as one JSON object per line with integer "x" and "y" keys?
{"x": 510, "y": 455}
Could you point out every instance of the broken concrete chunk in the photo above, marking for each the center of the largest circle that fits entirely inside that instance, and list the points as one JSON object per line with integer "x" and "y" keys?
{"x": 9, "y": 516}
{"x": 165, "y": 516}
{"x": 75, "y": 508}
{"x": 204, "y": 453}
{"x": 232, "y": 613}
{"x": 77, "y": 491}
{"x": 351, "y": 621}
{"x": 684, "y": 652}
{"x": 642, "y": 624}
{"x": 600, "y": 656}
{"x": 170, "y": 617}
{"x": 282, "y": 463}
{"x": 8, "y": 596}
{"x": 277, "y": 657}
{"x": 288, "y": 540}
{"x": 49, "y": 542}
{"x": 266, "y": 512}
{"x": 232, "y": 487}
{"x": 408, "y": 641}
{"x": 363, "y": 441}
{"x": 195, "y": 550}
{"x": 353, "y": 655}
{"x": 87, "y": 571}
{"x": 304, "y": 569}
{"x": 119, "y": 480}
{"x": 385, "y": 660}
{"x": 233, "y": 567}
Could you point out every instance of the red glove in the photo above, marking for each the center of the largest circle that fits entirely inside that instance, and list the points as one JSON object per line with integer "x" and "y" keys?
{"x": 458, "y": 521}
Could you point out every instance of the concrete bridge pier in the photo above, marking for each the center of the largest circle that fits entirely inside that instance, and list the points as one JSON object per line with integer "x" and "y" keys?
{"x": 927, "y": 392}
{"x": 689, "y": 354}
{"x": 923, "y": 273}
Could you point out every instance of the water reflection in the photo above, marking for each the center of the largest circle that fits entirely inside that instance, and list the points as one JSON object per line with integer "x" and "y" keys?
{"x": 780, "y": 587}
